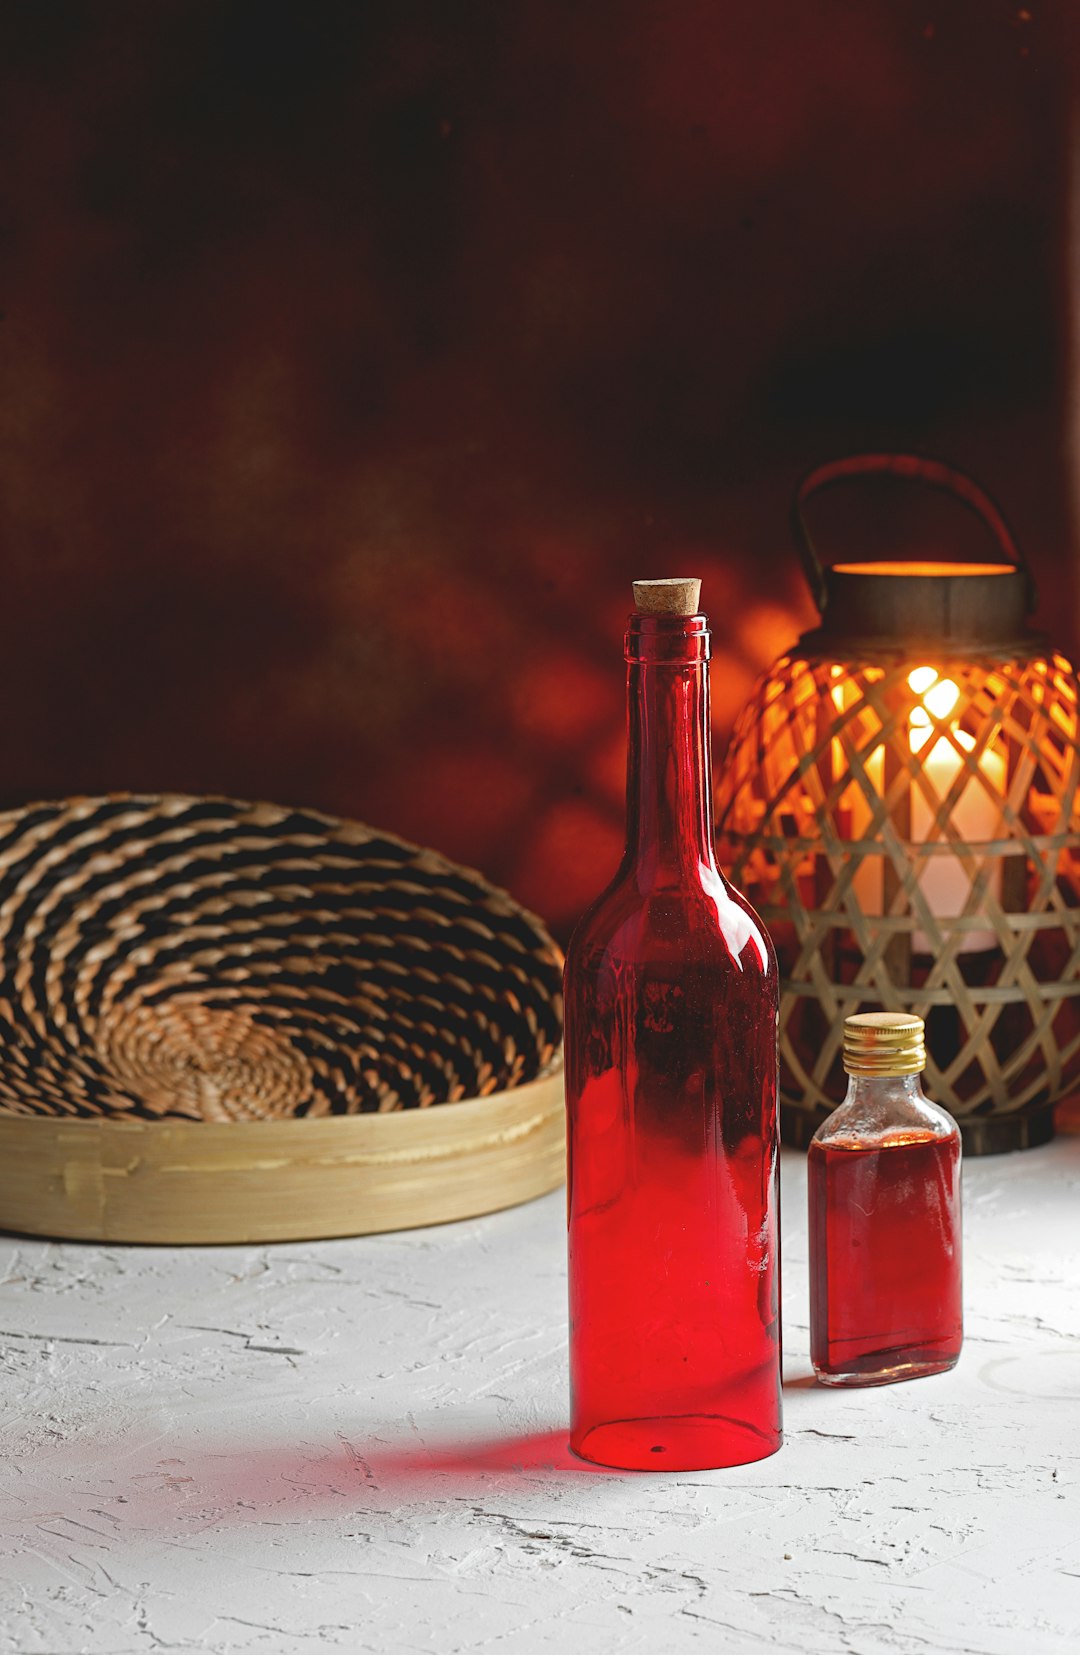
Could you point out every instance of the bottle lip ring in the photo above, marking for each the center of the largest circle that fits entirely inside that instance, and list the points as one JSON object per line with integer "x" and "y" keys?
{"x": 886, "y": 1065}
{"x": 668, "y": 640}
{"x": 684, "y": 626}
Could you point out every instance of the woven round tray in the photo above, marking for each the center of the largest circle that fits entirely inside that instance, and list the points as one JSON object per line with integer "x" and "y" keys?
{"x": 233, "y": 1022}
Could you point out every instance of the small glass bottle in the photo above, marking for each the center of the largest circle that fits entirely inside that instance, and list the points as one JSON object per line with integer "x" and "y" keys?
{"x": 671, "y": 1082}
{"x": 884, "y": 1196}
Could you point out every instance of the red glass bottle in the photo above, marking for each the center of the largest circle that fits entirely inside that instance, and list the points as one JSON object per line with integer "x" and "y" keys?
{"x": 885, "y": 1238}
{"x": 671, "y": 1078}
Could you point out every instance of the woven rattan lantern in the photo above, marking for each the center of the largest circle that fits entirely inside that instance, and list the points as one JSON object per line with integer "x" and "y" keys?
{"x": 900, "y": 804}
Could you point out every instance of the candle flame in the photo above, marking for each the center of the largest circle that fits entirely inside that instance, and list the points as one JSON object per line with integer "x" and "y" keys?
{"x": 942, "y": 697}
{"x": 939, "y": 697}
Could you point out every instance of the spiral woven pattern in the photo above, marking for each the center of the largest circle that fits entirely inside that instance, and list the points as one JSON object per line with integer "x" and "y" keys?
{"x": 173, "y": 956}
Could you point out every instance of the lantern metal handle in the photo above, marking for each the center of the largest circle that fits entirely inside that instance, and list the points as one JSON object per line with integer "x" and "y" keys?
{"x": 913, "y": 468}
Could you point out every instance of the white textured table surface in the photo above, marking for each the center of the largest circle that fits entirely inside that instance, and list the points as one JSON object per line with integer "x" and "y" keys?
{"x": 359, "y": 1445}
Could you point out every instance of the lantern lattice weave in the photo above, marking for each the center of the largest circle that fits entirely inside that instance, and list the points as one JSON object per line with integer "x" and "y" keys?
{"x": 833, "y": 826}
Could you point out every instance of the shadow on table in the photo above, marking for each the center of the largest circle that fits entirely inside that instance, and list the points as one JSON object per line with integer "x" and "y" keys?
{"x": 543, "y": 1453}
{"x": 356, "y": 1474}
{"x": 376, "y": 1475}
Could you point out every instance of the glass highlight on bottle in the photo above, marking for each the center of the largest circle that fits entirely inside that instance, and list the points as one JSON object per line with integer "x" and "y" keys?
{"x": 671, "y": 1080}
{"x": 885, "y": 1234}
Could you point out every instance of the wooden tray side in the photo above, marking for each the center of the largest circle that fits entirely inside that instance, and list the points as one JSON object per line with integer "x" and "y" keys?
{"x": 182, "y": 1182}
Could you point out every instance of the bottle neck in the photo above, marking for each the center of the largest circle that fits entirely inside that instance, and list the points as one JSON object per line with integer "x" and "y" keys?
{"x": 881, "y": 1089}
{"x": 669, "y": 832}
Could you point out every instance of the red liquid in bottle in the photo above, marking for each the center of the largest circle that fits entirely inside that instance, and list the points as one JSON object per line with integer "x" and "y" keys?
{"x": 671, "y": 1007}
{"x": 885, "y": 1277}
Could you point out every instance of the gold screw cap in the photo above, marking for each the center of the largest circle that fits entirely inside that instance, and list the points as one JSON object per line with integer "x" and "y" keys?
{"x": 884, "y": 1043}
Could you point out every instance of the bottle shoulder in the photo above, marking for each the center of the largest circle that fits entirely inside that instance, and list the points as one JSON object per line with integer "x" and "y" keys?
{"x": 701, "y": 916}
{"x": 885, "y": 1111}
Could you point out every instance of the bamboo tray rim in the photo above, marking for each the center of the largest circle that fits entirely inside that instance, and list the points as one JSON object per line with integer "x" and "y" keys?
{"x": 373, "y": 1125}
{"x": 189, "y": 1182}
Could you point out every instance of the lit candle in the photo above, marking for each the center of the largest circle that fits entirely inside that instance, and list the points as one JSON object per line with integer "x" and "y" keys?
{"x": 943, "y": 880}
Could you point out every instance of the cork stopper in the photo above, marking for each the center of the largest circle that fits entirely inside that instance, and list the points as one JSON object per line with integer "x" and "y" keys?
{"x": 667, "y": 597}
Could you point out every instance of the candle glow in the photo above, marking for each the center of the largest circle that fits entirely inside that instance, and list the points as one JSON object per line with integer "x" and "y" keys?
{"x": 943, "y": 880}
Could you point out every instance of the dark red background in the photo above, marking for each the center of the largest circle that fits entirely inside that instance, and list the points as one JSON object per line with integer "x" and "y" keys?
{"x": 358, "y": 356}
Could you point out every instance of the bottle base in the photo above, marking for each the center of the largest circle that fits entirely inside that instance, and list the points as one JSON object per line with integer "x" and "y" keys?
{"x": 680, "y": 1442}
{"x": 887, "y": 1367}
